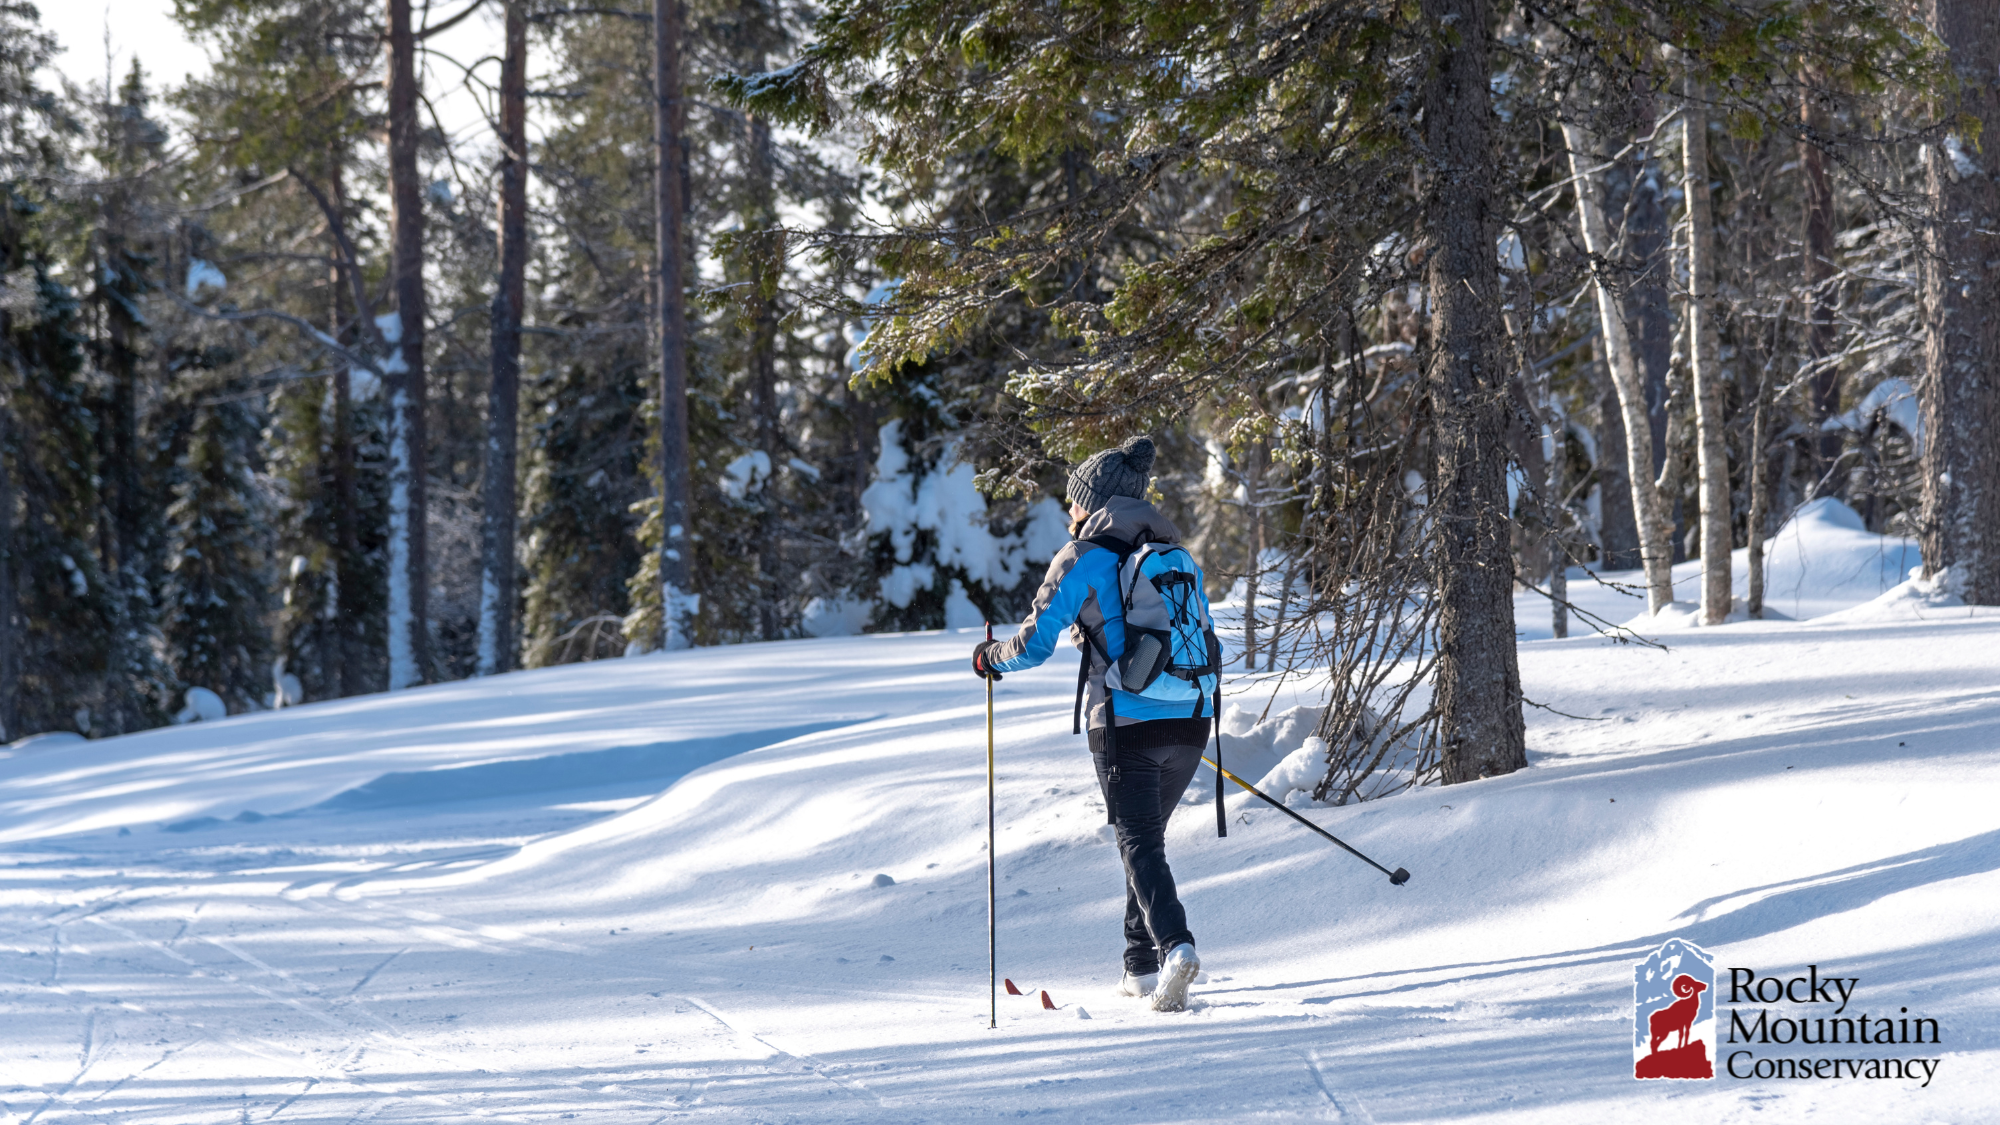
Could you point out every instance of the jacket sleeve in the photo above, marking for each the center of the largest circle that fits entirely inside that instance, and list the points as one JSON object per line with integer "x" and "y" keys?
{"x": 1064, "y": 590}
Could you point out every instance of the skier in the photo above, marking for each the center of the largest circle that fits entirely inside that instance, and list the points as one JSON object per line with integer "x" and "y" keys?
{"x": 1145, "y": 763}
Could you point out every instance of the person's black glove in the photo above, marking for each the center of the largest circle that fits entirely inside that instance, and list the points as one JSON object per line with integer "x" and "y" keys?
{"x": 979, "y": 666}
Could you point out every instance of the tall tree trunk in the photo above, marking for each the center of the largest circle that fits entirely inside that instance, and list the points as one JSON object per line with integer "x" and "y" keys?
{"x": 668, "y": 182}
{"x": 409, "y": 618}
{"x": 1818, "y": 190}
{"x": 350, "y": 656}
{"x": 1649, "y": 507}
{"x": 1705, "y": 346}
{"x": 1647, "y": 247}
{"x": 496, "y": 544}
{"x": 10, "y": 636}
{"x": 1960, "y": 391}
{"x": 1759, "y": 507}
{"x": 764, "y": 369}
{"x": 1618, "y": 530}
{"x": 1253, "y": 490}
{"x": 1539, "y": 453}
{"x": 1551, "y": 442}
{"x": 1478, "y": 673}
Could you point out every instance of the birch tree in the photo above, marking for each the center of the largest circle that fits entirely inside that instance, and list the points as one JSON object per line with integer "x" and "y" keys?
{"x": 1649, "y": 504}
{"x": 1705, "y": 352}
{"x": 409, "y": 586}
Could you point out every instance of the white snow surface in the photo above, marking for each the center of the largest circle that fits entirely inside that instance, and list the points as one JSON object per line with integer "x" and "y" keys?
{"x": 647, "y": 890}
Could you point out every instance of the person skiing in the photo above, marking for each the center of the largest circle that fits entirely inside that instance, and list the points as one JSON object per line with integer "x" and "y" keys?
{"x": 1145, "y": 750}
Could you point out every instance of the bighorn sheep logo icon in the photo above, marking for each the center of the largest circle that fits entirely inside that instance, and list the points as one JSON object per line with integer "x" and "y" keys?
{"x": 1673, "y": 1010}
{"x": 1677, "y": 1018}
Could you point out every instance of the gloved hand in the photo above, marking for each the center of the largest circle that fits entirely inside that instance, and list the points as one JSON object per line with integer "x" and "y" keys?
{"x": 979, "y": 666}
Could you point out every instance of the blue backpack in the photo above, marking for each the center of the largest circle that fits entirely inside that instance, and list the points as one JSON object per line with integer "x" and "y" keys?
{"x": 1171, "y": 650}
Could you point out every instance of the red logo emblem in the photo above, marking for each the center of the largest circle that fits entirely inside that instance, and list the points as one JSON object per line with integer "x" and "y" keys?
{"x": 1673, "y": 1010}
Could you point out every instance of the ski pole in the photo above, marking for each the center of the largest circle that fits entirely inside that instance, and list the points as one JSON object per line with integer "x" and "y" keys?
{"x": 992, "y": 892}
{"x": 1397, "y": 877}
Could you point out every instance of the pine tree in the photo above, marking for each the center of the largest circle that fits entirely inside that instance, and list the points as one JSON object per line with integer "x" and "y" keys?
{"x": 128, "y": 260}
{"x": 58, "y": 613}
{"x": 218, "y": 553}
{"x": 288, "y": 97}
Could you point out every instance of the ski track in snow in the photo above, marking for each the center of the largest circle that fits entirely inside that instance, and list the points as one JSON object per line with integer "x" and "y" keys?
{"x": 710, "y": 946}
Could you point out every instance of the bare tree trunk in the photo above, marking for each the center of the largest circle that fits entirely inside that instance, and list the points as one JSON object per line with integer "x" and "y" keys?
{"x": 1540, "y": 455}
{"x": 669, "y": 180}
{"x": 1759, "y": 505}
{"x": 496, "y": 589}
{"x": 1705, "y": 346}
{"x": 1555, "y": 459}
{"x": 764, "y": 372}
{"x": 1618, "y": 530}
{"x": 1278, "y": 620}
{"x": 10, "y": 638}
{"x": 349, "y": 658}
{"x": 1646, "y": 246}
{"x": 1818, "y": 190}
{"x": 1649, "y": 507}
{"x": 409, "y": 618}
{"x": 1465, "y": 369}
{"x": 1960, "y": 389}
{"x": 1253, "y": 488}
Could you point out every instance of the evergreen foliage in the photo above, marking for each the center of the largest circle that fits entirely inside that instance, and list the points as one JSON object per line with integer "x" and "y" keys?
{"x": 218, "y": 554}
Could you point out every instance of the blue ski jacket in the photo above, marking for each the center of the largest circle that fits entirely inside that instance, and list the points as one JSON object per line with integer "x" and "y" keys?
{"x": 1069, "y": 599}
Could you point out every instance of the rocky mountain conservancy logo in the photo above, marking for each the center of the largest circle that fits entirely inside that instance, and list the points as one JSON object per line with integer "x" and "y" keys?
{"x": 1673, "y": 1012}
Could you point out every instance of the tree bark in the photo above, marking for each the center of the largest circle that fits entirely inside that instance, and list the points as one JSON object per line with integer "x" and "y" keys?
{"x": 668, "y": 204}
{"x": 1759, "y": 507}
{"x": 496, "y": 590}
{"x": 409, "y": 586}
{"x": 347, "y": 566}
{"x": 1818, "y": 190}
{"x": 1552, "y": 443}
{"x": 1478, "y": 674}
{"x": 1960, "y": 389}
{"x": 1618, "y": 529}
{"x": 10, "y": 637}
{"x": 1646, "y": 246}
{"x": 1649, "y": 507}
{"x": 764, "y": 370}
{"x": 1253, "y": 490}
{"x": 1705, "y": 346}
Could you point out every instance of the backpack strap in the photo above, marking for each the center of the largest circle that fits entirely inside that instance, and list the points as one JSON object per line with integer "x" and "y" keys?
{"x": 1120, "y": 548}
{"x": 1082, "y": 682}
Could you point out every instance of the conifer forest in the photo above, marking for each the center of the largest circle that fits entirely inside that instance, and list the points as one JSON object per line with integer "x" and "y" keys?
{"x": 741, "y": 320}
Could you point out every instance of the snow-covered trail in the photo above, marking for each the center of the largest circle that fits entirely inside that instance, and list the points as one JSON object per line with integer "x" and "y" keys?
{"x": 1785, "y": 794}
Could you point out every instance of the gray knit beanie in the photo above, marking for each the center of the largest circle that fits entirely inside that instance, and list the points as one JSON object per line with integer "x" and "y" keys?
{"x": 1123, "y": 471}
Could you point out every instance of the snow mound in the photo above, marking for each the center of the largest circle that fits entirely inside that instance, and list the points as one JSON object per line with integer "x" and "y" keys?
{"x": 202, "y": 706}
{"x": 1911, "y": 600}
{"x": 1823, "y": 560}
{"x": 1298, "y": 772}
{"x": 1257, "y": 749}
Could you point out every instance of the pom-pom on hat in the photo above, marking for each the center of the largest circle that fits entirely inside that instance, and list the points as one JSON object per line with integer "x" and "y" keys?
{"x": 1123, "y": 471}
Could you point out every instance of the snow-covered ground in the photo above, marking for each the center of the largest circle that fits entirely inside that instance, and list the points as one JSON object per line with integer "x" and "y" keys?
{"x": 647, "y": 890}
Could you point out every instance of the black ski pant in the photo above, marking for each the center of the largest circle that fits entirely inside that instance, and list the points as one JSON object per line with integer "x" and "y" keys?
{"x": 1155, "y": 762}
